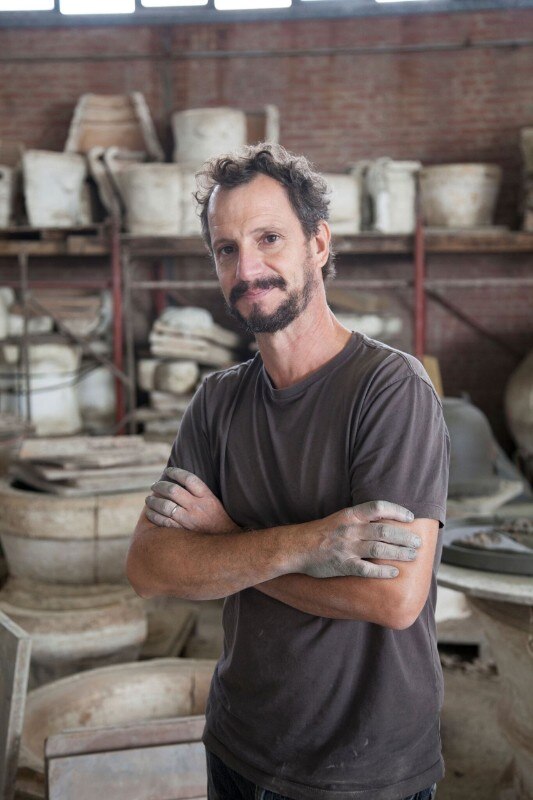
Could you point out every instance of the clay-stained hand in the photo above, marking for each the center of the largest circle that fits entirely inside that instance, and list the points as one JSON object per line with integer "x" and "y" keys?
{"x": 187, "y": 503}
{"x": 347, "y": 539}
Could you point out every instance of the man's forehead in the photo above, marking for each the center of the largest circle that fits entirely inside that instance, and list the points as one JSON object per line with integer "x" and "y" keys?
{"x": 261, "y": 196}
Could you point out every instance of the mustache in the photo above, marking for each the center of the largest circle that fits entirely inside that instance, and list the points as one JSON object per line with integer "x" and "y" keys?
{"x": 262, "y": 283}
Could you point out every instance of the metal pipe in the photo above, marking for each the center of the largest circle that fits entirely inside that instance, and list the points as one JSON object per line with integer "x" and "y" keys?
{"x": 318, "y": 52}
{"x": 473, "y": 324}
{"x": 92, "y": 284}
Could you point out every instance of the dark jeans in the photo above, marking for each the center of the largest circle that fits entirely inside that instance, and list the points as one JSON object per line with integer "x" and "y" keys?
{"x": 225, "y": 784}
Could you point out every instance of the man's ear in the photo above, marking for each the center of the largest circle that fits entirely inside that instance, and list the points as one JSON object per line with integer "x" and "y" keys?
{"x": 320, "y": 243}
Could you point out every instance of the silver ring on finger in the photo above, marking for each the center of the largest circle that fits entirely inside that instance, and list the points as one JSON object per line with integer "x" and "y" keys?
{"x": 174, "y": 510}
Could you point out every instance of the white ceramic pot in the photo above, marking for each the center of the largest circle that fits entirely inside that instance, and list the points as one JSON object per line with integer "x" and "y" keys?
{"x": 67, "y": 540}
{"x": 152, "y": 194}
{"x": 345, "y": 203}
{"x": 459, "y": 195}
{"x": 392, "y": 188}
{"x": 202, "y": 133}
{"x": 116, "y": 695}
{"x": 53, "y": 184}
{"x": 74, "y": 628}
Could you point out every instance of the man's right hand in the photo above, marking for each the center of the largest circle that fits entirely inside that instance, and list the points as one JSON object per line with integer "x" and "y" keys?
{"x": 348, "y": 538}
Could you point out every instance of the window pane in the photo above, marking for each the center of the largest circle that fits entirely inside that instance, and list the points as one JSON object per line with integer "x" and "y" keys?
{"x": 172, "y": 3}
{"x": 97, "y": 6}
{"x": 26, "y": 5}
{"x": 227, "y": 5}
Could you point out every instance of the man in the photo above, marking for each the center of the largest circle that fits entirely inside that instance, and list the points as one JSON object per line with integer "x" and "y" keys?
{"x": 287, "y": 493}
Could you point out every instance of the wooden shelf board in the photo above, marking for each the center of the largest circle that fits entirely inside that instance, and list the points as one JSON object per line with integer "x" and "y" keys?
{"x": 491, "y": 240}
{"x": 75, "y": 243}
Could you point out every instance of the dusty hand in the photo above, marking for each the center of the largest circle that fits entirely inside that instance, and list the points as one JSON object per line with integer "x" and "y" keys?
{"x": 190, "y": 505}
{"x": 346, "y": 539}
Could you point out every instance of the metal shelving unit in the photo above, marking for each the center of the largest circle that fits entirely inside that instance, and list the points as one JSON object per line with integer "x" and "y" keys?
{"x": 424, "y": 243}
{"x": 27, "y": 245}
{"x": 122, "y": 252}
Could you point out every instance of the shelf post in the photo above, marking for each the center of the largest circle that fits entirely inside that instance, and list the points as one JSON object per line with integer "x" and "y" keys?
{"x": 420, "y": 278}
{"x": 118, "y": 349}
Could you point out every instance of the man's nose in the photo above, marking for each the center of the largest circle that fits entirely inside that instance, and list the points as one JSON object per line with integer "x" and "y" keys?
{"x": 249, "y": 264}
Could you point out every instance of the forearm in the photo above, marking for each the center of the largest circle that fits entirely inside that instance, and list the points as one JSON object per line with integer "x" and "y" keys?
{"x": 368, "y": 599}
{"x": 393, "y": 603}
{"x": 205, "y": 566}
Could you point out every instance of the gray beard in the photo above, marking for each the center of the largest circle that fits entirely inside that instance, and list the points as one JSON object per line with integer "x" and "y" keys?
{"x": 295, "y": 304}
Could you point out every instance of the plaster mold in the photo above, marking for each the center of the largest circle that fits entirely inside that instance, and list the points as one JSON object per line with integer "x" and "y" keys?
{"x": 113, "y": 696}
{"x": 53, "y": 188}
{"x": 81, "y": 540}
{"x": 190, "y": 220}
{"x": 176, "y": 377}
{"x": 202, "y": 133}
{"x": 392, "y": 188}
{"x": 152, "y": 194}
{"x": 53, "y": 368}
{"x": 75, "y": 628}
{"x": 107, "y": 120}
{"x": 37, "y": 323}
{"x": 96, "y": 398}
{"x": 459, "y": 195}
{"x": 345, "y": 203}
{"x": 146, "y": 372}
{"x": 519, "y": 405}
{"x": 7, "y": 298}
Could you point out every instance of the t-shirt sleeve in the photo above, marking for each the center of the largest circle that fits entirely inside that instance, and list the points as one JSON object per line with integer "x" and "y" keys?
{"x": 191, "y": 449}
{"x": 401, "y": 448}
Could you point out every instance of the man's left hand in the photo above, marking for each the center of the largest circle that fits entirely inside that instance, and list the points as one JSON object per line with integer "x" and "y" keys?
{"x": 187, "y": 503}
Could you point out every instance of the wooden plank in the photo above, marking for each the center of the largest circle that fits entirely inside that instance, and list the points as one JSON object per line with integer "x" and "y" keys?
{"x": 89, "y": 247}
{"x": 15, "y": 651}
{"x": 432, "y": 367}
{"x": 161, "y": 772}
{"x": 73, "y": 474}
{"x": 171, "y": 730}
{"x": 89, "y": 486}
{"x": 478, "y": 241}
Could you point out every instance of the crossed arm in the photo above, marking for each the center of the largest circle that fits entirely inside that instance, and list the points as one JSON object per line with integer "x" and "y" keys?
{"x": 340, "y": 567}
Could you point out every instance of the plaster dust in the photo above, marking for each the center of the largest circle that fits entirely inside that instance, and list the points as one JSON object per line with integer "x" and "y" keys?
{"x": 475, "y": 753}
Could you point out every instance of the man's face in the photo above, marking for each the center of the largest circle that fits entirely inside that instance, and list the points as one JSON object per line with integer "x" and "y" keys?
{"x": 266, "y": 269}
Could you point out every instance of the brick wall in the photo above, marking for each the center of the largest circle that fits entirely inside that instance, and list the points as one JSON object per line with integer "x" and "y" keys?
{"x": 464, "y": 102}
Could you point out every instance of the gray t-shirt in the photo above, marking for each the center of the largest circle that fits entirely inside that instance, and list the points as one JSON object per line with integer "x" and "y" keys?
{"x": 310, "y": 707}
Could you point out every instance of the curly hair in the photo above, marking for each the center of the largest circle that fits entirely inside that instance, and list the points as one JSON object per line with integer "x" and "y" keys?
{"x": 306, "y": 189}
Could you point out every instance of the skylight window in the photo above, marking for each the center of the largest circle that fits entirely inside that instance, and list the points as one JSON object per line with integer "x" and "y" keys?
{"x": 26, "y": 5}
{"x": 230, "y": 5}
{"x": 97, "y": 6}
{"x": 172, "y": 3}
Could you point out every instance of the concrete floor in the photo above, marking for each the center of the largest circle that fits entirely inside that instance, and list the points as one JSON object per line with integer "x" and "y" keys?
{"x": 475, "y": 753}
